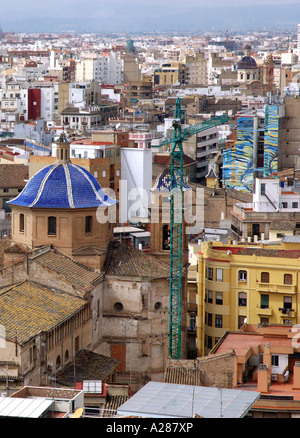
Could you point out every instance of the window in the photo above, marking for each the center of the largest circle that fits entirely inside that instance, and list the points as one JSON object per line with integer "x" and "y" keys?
{"x": 76, "y": 344}
{"x": 209, "y": 319}
{"x": 209, "y": 342}
{"x": 263, "y": 189}
{"x": 88, "y": 224}
{"x": 219, "y": 321}
{"x": 52, "y": 226}
{"x": 294, "y": 204}
{"x": 210, "y": 273}
{"x": 242, "y": 275}
{"x": 265, "y": 277}
{"x": 157, "y": 306}
{"x": 21, "y": 223}
{"x": 284, "y": 205}
{"x": 287, "y": 302}
{"x": 264, "y": 321}
{"x": 275, "y": 360}
{"x": 219, "y": 297}
{"x": 288, "y": 279}
{"x": 58, "y": 361}
{"x": 166, "y": 237}
{"x": 219, "y": 274}
{"x": 264, "y": 301}
{"x": 210, "y": 296}
{"x": 241, "y": 321}
{"x": 33, "y": 354}
{"x": 242, "y": 299}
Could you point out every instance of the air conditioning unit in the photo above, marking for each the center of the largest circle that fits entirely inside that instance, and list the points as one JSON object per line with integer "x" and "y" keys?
{"x": 274, "y": 377}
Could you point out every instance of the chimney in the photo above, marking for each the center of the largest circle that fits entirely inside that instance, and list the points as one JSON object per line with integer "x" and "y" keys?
{"x": 262, "y": 379}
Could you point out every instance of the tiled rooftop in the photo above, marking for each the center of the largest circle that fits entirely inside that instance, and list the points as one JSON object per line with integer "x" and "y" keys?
{"x": 77, "y": 274}
{"x": 86, "y": 366}
{"x": 28, "y": 308}
{"x": 124, "y": 260}
{"x": 13, "y": 175}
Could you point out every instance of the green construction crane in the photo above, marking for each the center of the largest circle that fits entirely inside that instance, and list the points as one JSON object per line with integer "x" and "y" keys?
{"x": 176, "y": 237}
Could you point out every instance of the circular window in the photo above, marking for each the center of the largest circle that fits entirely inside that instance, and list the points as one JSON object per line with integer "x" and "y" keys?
{"x": 118, "y": 307}
{"x": 157, "y": 306}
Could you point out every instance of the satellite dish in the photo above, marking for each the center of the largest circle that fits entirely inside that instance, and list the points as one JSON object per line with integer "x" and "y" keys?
{"x": 78, "y": 413}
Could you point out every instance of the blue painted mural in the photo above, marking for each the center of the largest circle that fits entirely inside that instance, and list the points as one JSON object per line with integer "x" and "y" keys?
{"x": 271, "y": 140}
{"x": 238, "y": 160}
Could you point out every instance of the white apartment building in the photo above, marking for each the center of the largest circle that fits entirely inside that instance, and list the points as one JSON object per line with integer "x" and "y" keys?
{"x": 106, "y": 68}
{"x": 206, "y": 148}
{"x": 271, "y": 195}
{"x": 85, "y": 148}
{"x": 49, "y": 102}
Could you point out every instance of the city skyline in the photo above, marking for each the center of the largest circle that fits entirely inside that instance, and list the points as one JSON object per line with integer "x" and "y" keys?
{"x": 136, "y": 16}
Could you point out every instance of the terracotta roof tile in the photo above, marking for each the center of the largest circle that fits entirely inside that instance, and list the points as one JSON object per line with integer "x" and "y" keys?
{"x": 124, "y": 260}
{"x": 86, "y": 366}
{"x": 28, "y": 308}
{"x": 79, "y": 275}
{"x": 13, "y": 175}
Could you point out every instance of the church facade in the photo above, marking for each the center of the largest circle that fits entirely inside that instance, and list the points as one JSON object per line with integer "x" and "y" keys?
{"x": 129, "y": 303}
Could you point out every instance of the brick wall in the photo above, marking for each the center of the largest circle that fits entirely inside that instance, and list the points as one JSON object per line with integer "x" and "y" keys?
{"x": 118, "y": 351}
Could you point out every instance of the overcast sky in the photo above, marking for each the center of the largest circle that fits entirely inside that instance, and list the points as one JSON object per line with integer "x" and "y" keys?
{"x": 136, "y": 15}
{"x": 32, "y": 8}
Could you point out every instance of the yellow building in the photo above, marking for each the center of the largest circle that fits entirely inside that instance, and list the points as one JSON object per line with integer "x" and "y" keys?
{"x": 169, "y": 74}
{"x": 257, "y": 284}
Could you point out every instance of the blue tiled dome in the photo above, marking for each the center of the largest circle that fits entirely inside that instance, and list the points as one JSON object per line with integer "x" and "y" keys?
{"x": 163, "y": 181}
{"x": 63, "y": 186}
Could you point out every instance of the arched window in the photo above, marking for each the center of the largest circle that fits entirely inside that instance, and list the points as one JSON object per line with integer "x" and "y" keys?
{"x": 88, "y": 224}
{"x": 288, "y": 279}
{"x": 21, "y": 223}
{"x": 58, "y": 361}
{"x": 51, "y": 226}
{"x": 242, "y": 275}
{"x": 265, "y": 277}
{"x": 66, "y": 355}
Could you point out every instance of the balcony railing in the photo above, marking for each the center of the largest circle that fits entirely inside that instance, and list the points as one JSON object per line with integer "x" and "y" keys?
{"x": 279, "y": 288}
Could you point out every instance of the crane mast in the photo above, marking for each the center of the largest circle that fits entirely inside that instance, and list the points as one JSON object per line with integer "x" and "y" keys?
{"x": 176, "y": 222}
{"x": 176, "y": 238}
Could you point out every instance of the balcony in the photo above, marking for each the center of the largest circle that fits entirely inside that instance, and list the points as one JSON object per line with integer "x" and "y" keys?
{"x": 278, "y": 288}
{"x": 262, "y": 311}
{"x": 290, "y": 313}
